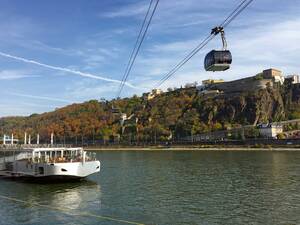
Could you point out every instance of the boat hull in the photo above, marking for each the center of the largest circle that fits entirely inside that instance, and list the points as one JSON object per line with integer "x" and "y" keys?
{"x": 45, "y": 179}
{"x": 52, "y": 171}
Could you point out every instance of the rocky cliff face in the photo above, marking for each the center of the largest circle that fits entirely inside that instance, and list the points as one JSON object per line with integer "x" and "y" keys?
{"x": 187, "y": 112}
{"x": 244, "y": 108}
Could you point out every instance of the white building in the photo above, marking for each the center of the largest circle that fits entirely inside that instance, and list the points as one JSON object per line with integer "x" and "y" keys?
{"x": 274, "y": 74}
{"x": 153, "y": 94}
{"x": 295, "y": 79}
{"x": 270, "y": 130}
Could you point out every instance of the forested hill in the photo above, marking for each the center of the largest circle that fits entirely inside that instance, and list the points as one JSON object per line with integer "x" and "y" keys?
{"x": 172, "y": 114}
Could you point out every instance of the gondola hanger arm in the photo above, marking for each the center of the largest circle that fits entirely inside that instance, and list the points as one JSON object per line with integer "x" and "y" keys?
{"x": 220, "y": 30}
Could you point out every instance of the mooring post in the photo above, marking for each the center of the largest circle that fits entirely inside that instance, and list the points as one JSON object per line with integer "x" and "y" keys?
{"x": 52, "y": 137}
{"x": 12, "y": 139}
{"x": 25, "y": 138}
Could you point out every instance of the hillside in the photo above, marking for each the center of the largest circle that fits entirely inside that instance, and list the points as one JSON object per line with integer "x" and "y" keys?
{"x": 172, "y": 114}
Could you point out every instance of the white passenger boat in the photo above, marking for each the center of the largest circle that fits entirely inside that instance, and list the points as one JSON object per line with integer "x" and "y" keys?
{"x": 50, "y": 163}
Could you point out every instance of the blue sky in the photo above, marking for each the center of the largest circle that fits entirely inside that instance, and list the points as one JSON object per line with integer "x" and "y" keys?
{"x": 53, "y": 53}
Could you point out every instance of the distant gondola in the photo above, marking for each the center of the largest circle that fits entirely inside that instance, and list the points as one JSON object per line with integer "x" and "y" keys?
{"x": 218, "y": 60}
{"x": 115, "y": 111}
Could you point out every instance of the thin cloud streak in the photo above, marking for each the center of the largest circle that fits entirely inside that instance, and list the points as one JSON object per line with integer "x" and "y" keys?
{"x": 135, "y": 9}
{"x": 15, "y": 75}
{"x": 64, "y": 69}
{"x": 40, "y": 97}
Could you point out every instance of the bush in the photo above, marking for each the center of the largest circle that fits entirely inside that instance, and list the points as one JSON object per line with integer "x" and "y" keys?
{"x": 259, "y": 77}
{"x": 294, "y": 115}
{"x": 280, "y": 136}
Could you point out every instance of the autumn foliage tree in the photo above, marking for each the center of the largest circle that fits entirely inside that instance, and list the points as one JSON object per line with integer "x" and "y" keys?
{"x": 169, "y": 116}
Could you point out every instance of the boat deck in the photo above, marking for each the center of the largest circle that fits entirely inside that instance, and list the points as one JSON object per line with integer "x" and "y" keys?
{"x": 5, "y": 173}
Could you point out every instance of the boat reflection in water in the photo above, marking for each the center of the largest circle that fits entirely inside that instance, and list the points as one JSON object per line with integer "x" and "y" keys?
{"x": 69, "y": 196}
{"x": 64, "y": 202}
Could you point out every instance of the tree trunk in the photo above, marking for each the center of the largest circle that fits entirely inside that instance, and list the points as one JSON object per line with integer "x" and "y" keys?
{"x": 93, "y": 137}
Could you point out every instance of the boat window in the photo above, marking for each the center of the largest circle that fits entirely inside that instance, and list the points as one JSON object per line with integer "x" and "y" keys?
{"x": 41, "y": 170}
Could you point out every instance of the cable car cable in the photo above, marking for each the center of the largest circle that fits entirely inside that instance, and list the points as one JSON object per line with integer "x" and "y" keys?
{"x": 232, "y": 13}
{"x": 182, "y": 62}
{"x": 238, "y": 13}
{"x": 225, "y": 23}
{"x": 138, "y": 48}
{"x": 135, "y": 46}
{"x": 185, "y": 60}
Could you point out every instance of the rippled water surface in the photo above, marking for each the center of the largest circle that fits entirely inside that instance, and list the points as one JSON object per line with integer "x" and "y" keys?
{"x": 166, "y": 188}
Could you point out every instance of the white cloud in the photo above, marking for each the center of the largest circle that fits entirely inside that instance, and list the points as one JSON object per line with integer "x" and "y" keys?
{"x": 23, "y": 109}
{"x": 40, "y": 46}
{"x": 28, "y": 104}
{"x": 178, "y": 46}
{"x": 14, "y": 27}
{"x": 15, "y": 74}
{"x": 128, "y": 11}
{"x": 12, "y": 110}
{"x": 35, "y": 105}
{"x": 40, "y": 97}
{"x": 275, "y": 45}
{"x": 84, "y": 90}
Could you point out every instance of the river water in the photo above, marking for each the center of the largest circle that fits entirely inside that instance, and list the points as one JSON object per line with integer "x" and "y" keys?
{"x": 180, "y": 187}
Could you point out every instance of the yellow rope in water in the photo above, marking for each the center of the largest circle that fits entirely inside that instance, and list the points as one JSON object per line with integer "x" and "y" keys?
{"x": 70, "y": 212}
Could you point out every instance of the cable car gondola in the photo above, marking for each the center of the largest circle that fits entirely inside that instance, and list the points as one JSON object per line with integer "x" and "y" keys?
{"x": 218, "y": 60}
{"x": 115, "y": 110}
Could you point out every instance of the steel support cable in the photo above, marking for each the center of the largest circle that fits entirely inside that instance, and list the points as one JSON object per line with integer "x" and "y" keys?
{"x": 185, "y": 60}
{"x": 135, "y": 46}
{"x": 233, "y": 12}
{"x": 139, "y": 46}
{"x": 238, "y": 13}
{"x": 225, "y": 23}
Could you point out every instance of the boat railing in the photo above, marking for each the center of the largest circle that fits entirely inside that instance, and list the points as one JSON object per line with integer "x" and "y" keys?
{"x": 20, "y": 147}
{"x": 64, "y": 159}
{"x": 14, "y": 157}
